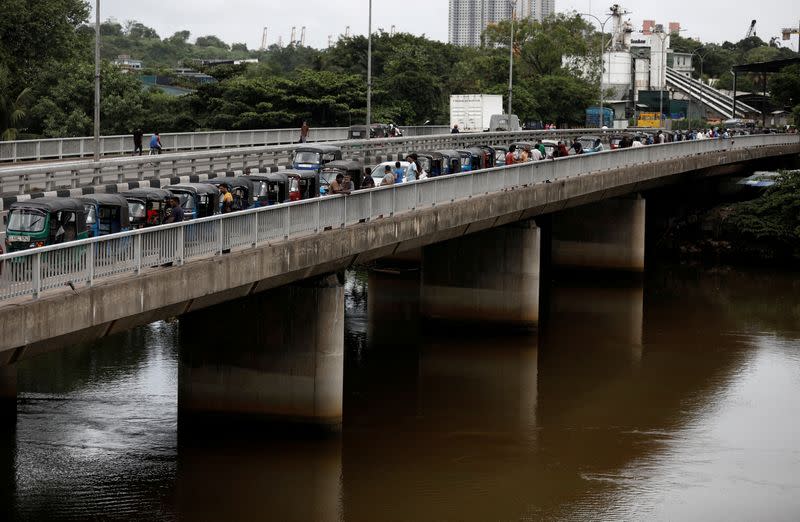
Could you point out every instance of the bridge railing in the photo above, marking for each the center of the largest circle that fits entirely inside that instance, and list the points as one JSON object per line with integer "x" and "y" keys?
{"x": 82, "y": 147}
{"x": 91, "y": 261}
{"x": 24, "y": 179}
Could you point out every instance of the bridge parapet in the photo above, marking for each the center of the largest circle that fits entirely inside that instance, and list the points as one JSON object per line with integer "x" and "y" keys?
{"x": 92, "y": 261}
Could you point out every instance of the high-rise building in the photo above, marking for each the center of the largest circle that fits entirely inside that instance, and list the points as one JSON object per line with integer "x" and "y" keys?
{"x": 468, "y": 18}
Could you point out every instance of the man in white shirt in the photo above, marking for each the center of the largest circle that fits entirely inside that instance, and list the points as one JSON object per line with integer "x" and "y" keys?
{"x": 535, "y": 154}
{"x": 411, "y": 171}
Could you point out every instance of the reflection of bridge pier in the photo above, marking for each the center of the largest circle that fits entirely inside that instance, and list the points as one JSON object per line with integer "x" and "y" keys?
{"x": 256, "y": 479}
{"x": 275, "y": 355}
{"x": 8, "y": 395}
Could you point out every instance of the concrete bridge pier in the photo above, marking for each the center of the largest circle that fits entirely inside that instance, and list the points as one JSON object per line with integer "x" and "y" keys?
{"x": 8, "y": 393}
{"x": 607, "y": 235}
{"x": 489, "y": 277}
{"x": 275, "y": 356}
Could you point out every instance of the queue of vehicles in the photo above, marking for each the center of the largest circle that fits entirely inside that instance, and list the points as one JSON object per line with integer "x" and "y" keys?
{"x": 46, "y": 221}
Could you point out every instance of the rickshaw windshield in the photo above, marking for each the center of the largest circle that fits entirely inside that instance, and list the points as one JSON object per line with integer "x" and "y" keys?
{"x": 261, "y": 189}
{"x": 466, "y": 161}
{"x": 306, "y": 157}
{"x": 186, "y": 200}
{"x": 425, "y": 163}
{"x": 91, "y": 214}
{"x": 26, "y": 220}
{"x": 136, "y": 209}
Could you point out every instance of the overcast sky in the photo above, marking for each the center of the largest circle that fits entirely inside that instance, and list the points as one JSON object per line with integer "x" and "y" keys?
{"x": 243, "y": 20}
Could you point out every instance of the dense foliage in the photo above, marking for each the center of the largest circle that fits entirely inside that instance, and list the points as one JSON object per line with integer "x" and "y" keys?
{"x": 768, "y": 226}
{"x": 46, "y": 75}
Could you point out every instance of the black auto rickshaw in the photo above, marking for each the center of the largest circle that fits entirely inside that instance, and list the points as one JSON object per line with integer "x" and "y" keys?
{"x": 260, "y": 189}
{"x": 471, "y": 159}
{"x": 430, "y": 164}
{"x": 146, "y": 206}
{"x": 352, "y": 168}
{"x": 451, "y": 161}
{"x": 303, "y": 184}
{"x": 45, "y": 221}
{"x": 197, "y": 199}
{"x": 487, "y": 155}
{"x": 277, "y": 188}
{"x": 106, "y": 214}
{"x": 313, "y": 157}
{"x": 357, "y": 132}
{"x": 241, "y": 189}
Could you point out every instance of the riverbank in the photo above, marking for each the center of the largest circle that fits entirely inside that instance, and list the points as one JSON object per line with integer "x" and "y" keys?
{"x": 761, "y": 230}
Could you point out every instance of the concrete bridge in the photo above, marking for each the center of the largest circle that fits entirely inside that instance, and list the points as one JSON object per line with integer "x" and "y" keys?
{"x": 480, "y": 262}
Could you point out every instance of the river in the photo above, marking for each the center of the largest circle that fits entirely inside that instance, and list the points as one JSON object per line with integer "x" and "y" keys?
{"x": 671, "y": 399}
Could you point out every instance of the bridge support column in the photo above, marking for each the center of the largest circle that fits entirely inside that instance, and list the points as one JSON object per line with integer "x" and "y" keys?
{"x": 275, "y": 356}
{"x": 487, "y": 277}
{"x": 8, "y": 392}
{"x": 608, "y": 235}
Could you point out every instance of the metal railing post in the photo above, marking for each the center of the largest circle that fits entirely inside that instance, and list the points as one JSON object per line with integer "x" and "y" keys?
{"x": 137, "y": 254}
{"x": 36, "y": 275}
{"x": 221, "y": 240}
{"x": 316, "y": 223}
{"x": 288, "y": 223}
{"x": 90, "y": 263}
{"x": 181, "y": 245}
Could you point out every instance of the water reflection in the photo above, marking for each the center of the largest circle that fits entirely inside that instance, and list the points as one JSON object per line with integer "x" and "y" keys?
{"x": 669, "y": 400}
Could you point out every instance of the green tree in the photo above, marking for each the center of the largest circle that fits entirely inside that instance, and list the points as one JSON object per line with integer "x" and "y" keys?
{"x": 210, "y": 41}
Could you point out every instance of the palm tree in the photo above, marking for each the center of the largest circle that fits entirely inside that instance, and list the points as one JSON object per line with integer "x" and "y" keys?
{"x": 12, "y": 113}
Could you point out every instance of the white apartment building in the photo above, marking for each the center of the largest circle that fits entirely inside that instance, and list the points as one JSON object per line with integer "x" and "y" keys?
{"x": 468, "y": 18}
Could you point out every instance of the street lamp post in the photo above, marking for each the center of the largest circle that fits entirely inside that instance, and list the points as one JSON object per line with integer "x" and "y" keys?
{"x": 662, "y": 72}
{"x": 513, "y": 4}
{"x": 602, "y": 24}
{"x": 702, "y": 57}
{"x": 97, "y": 81}
{"x": 369, "y": 71}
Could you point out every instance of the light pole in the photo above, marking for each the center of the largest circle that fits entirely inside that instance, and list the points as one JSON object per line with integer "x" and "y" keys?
{"x": 97, "y": 80}
{"x": 602, "y": 24}
{"x": 513, "y": 4}
{"x": 369, "y": 72}
{"x": 702, "y": 57}
{"x": 662, "y": 72}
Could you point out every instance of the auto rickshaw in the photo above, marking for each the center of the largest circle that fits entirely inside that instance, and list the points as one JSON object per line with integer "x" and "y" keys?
{"x": 451, "y": 161}
{"x": 45, "y": 221}
{"x": 430, "y": 164}
{"x": 146, "y": 206}
{"x": 197, "y": 199}
{"x": 241, "y": 189}
{"x": 259, "y": 194}
{"x": 106, "y": 214}
{"x": 277, "y": 188}
{"x": 357, "y": 132}
{"x": 313, "y": 157}
{"x": 500, "y": 155}
{"x": 487, "y": 155}
{"x": 352, "y": 168}
{"x": 303, "y": 184}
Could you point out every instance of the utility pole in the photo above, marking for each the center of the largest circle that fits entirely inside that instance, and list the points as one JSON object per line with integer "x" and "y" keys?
{"x": 369, "y": 70}
{"x": 513, "y": 4}
{"x": 97, "y": 81}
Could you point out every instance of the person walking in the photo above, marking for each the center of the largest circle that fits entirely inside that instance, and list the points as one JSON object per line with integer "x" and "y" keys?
{"x": 137, "y": 141}
{"x": 399, "y": 172}
{"x": 155, "y": 143}
{"x": 304, "y": 130}
{"x": 455, "y": 129}
{"x": 563, "y": 152}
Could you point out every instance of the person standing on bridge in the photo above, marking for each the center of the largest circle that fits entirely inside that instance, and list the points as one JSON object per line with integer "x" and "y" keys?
{"x": 388, "y": 176}
{"x": 455, "y": 129}
{"x": 226, "y": 199}
{"x": 176, "y": 211}
{"x": 510, "y": 154}
{"x": 304, "y": 130}
{"x": 137, "y": 141}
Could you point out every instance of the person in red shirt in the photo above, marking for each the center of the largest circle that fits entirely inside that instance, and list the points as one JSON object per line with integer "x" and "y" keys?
{"x": 510, "y": 155}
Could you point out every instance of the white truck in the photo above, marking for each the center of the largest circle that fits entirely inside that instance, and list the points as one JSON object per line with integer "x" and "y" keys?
{"x": 473, "y": 112}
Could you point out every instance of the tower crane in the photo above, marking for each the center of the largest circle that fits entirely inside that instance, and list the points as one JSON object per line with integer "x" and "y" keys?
{"x": 751, "y": 31}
